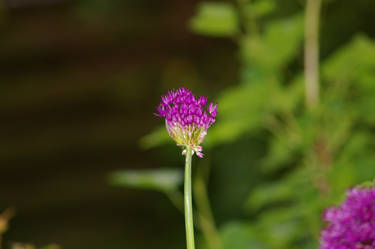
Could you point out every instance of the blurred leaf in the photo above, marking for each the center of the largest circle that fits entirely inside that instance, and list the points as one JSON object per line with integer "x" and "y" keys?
{"x": 215, "y": 19}
{"x": 352, "y": 62}
{"x": 352, "y": 68}
{"x": 355, "y": 163}
{"x": 283, "y": 39}
{"x": 261, "y": 8}
{"x": 239, "y": 236}
{"x": 287, "y": 99}
{"x": 269, "y": 194}
{"x": 160, "y": 179}
{"x": 246, "y": 108}
{"x": 280, "y": 227}
{"x": 282, "y": 151}
{"x": 241, "y": 110}
{"x": 276, "y": 47}
{"x": 156, "y": 138}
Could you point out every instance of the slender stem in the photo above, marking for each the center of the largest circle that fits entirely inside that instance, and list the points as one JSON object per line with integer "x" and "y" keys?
{"x": 206, "y": 219}
{"x": 312, "y": 53}
{"x": 189, "y": 224}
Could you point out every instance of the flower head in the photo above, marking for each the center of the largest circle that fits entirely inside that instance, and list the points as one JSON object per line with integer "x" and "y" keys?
{"x": 186, "y": 119}
{"x": 352, "y": 224}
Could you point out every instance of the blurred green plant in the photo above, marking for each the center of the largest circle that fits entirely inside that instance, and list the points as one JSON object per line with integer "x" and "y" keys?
{"x": 166, "y": 181}
{"x": 215, "y": 19}
{"x": 311, "y": 155}
{"x": 163, "y": 180}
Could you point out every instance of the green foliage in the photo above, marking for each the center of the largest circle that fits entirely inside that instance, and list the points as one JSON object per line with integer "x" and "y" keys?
{"x": 276, "y": 46}
{"x": 155, "y": 138}
{"x": 239, "y": 236}
{"x": 260, "y": 8}
{"x": 247, "y": 107}
{"x": 242, "y": 109}
{"x": 215, "y": 19}
{"x": 164, "y": 180}
{"x": 351, "y": 69}
{"x": 269, "y": 194}
{"x": 311, "y": 156}
{"x": 322, "y": 153}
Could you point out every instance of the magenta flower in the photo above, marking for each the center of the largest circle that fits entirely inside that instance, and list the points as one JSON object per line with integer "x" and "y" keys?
{"x": 352, "y": 224}
{"x": 186, "y": 119}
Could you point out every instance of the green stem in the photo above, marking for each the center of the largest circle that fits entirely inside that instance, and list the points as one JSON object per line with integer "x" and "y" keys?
{"x": 189, "y": 224}
{"x": 312, "y": 53}
{"x": 206, "y": 219}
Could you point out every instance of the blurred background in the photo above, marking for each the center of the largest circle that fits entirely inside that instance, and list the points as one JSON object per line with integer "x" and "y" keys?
{"x": 79, "y": 83}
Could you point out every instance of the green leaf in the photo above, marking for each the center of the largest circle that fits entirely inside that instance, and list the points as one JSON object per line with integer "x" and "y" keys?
{"x": 351, "y": 75}
{"x": 164, "y": 180}
{"x": 284, "y": 38}
{"x": 276, "y": 47}
{"x": 261, "y": 8}
{"x": 279, "y": 227}
{"x": 239, "y": 236}
{"x": 242, "y": 110}
{"x": 215, "y": 19}
{"x": 352, "y": 62}
{"x": 156, "y": 138}
{"x": 269, "y": 194}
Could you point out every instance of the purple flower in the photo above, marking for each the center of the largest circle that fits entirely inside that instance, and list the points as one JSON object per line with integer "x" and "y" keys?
{"x": 352, "y": 224}
{"x": 186, "y": 119}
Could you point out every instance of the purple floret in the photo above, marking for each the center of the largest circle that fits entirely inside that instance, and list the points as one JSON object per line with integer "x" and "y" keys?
{"x": 352, "y": 224}
{"x": 181, "y": 107}
{"x": 186, "y": 117}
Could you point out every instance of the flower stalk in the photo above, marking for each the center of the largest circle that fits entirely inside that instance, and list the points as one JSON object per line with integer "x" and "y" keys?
{"x": 188, "y": 202}
{"x": 187, "y": 120}
{"x": 312, "y": 53}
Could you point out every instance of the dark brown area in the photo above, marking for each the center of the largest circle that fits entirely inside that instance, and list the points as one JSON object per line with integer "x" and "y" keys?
{"x": 78, "y": 88}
